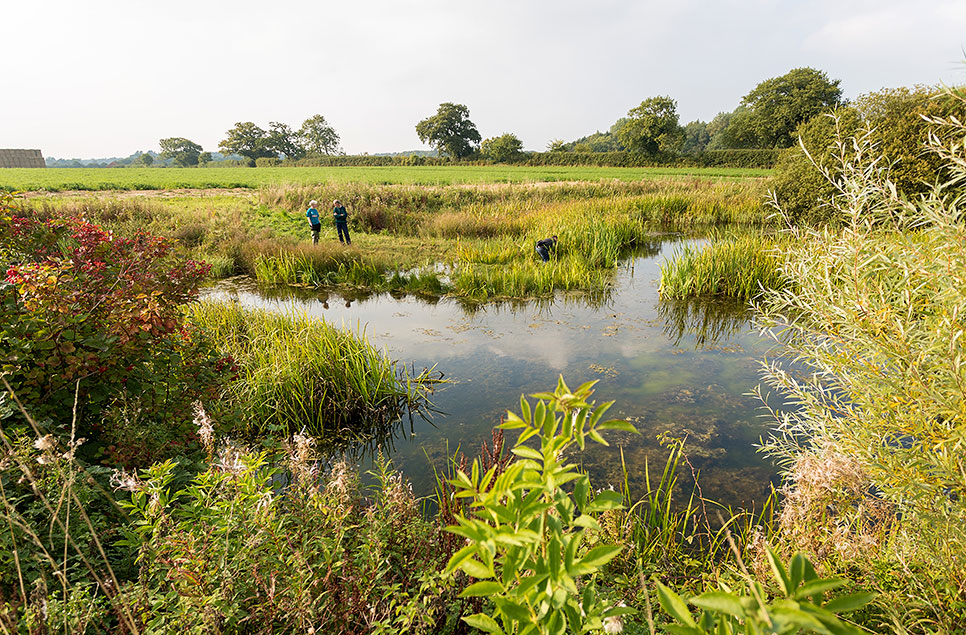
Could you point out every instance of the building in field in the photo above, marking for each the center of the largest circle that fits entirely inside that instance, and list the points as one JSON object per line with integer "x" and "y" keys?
{"x": 21, "y": 159}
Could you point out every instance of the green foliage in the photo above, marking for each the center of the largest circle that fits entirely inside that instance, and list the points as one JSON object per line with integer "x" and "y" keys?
{"x": 282, "y": 140}
{"x": 696, "y": 138}
{"x": 298, "y": 373}
{"x": 248, "y": 140}
{"x": 450, "y": 131}
{"x": 236, "y": 551}
{"x": 875, "y": 329}
{"x": 802, "y": 608}
{"x": 652, "y": 128}
{"x": 318, "y": 137}
{"x": 526, "y": 531}
{"x": 91, "y": 321}
{"x": 183, "y": 152}
{"x": 506, "y": 148}
{"x": 740, "y": 267}
{"x": 776, "y": 107}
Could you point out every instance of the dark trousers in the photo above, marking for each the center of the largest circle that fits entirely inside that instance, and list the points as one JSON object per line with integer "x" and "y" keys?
{"x": 315, "y": 233}
{"x": 343, "y": 230}
{"x": 544, "y": 252}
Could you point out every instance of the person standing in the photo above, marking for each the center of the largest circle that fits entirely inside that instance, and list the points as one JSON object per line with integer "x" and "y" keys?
{"x": 313, "y": 215}
{"x": 341, "y": 222}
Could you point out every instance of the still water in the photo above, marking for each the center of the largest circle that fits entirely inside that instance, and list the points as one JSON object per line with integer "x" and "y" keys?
{"x": 679, "y": 370}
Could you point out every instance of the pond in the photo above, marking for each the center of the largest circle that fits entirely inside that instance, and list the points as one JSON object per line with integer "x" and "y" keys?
{"x": 675, "y": 369}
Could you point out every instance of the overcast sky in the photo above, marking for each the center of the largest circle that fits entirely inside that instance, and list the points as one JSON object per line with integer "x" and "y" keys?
{"x": 97, "y": 78}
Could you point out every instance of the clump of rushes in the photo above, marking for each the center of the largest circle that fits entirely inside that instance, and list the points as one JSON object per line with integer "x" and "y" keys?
{"x": 736, "y": 266}
{"x": 297, "y": 372}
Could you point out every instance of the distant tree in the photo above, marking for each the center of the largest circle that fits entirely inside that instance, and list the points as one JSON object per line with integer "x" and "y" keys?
{"x": 180, "y": 150}
{"x": 777, "y": 106}
{"x": 204, "y": 158}
{"x": 652, "y": 128}
{"x": 318, "y": 137}
{"x": 696, "y": 137}
{"x": 145, "y": 159}
{"x": 248, "y": 140}
{"x": 506, "y": 148}
{"x": 450, "y": 131}
{"x": 556, "y": 145}
{"x": 716, "y": 129}
{"x": 281, "y": 139}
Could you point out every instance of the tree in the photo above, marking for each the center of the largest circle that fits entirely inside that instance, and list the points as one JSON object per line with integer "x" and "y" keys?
{"x": 556, "y": 145}
{"x": 180, "y": 150}
{"x": 145, "y": 159}
{"x": 318, "y": 137}
{"x": 248, "y": 140}
{"x": 450, "y": 131}
{"x": 204, "y": 158}
{"x": 283, "y": 140}
{"x": 777, "y": 106}
{"x": 696, "y": 137}
{"x": 503, "y": 149}
{"x": 652, "y": 128}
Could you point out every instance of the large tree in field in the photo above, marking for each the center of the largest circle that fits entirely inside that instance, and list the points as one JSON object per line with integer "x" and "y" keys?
{"x": 652, "y": 128}
{"x": 318, "y": 137}
{"x": 183, "y": 152}
{"x": 248, "y": 140}
{"x": 777, "y": 106}
{"x": 283, "y": 140}
{"x": 503, "y": 149}
{"x": 450, "y": 131}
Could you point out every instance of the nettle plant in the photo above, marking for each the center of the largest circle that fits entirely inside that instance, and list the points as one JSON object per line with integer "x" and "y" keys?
{"x": 525, "y": 531}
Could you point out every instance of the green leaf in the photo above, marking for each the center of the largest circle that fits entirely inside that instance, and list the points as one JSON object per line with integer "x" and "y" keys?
{"x": 581, "y": 489}
{"x": 476, "y": 569}
{"x": 674, "y": 606}
{"x": 586, "y": 521}
{"x": 483, "y": 622}
{"x": 479, "y": 589}
{"x": 817, "y": 587}
{"x": 600, "y": 555}
{"x": 527, "y": 453}
{"x": 720, "y": 602}
{"x": 457, "y": 558}
{"x": 514, "y": 610}
{"x": 617, "y": 424}
{"x": 780, "y": 575}
{"x": 847, "y": 603}
{"x": 607, "y": 499}
{"x": 797, "y": 570}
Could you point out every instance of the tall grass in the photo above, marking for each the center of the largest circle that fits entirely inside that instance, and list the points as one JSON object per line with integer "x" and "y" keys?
{"x": 737, "y": 266}
{"x": 297, "y": 372}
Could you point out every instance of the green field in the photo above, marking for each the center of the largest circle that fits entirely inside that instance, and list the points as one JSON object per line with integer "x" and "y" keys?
{"x": 60, "y": 179}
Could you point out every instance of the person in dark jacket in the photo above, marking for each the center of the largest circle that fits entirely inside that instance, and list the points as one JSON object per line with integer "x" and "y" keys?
{"x": 546, "y": 247}
{"x": 341, "y": 222}
{"x": 313, "y": 215}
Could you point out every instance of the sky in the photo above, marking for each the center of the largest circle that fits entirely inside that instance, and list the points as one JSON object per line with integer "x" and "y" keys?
{"x": 103, "y": 78}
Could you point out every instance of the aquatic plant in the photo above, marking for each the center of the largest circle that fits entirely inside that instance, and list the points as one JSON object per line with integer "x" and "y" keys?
{"x": 301, "y": 373}
{"x": 734, "y": 266}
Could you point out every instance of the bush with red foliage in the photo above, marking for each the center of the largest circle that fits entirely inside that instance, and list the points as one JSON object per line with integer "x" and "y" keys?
{"x": 83, "y": 307}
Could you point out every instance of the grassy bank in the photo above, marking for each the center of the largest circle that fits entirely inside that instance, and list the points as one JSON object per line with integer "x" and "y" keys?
{"x": 468, "y": 241}
{"x": 62, "y": 179}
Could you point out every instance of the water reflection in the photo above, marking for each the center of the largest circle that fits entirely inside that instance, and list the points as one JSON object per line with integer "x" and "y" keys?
{"x": 678, "y": 369}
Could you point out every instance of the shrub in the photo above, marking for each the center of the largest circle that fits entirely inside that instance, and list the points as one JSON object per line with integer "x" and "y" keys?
{"x": 874, "y": 324}
{"x": 92, "y": 321}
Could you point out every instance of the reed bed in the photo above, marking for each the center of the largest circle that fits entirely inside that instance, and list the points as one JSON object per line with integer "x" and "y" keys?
{"x": 301, "y": 373}
{"x": 738, "y": 267}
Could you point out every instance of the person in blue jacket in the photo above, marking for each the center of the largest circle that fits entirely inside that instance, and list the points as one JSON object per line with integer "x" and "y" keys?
{"x": 313, "y": 215}
{"x": 546, "y": 247}
{"x": 341, "y": 222}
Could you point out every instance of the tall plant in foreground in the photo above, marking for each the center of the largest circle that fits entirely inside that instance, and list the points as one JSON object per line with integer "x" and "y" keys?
{"x": 877, "y": 314}
{"x": 526, "y": 531}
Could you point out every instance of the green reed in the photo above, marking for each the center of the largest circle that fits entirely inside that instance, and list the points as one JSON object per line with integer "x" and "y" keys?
{"x": 737, "y": 266}
{"x": 298, "y": 372}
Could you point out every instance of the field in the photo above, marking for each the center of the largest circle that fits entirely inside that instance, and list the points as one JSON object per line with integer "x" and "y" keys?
{"x": 61, "y": 179}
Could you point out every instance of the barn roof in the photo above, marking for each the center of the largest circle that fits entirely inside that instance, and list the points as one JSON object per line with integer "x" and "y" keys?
{"x": 21, "y": 159}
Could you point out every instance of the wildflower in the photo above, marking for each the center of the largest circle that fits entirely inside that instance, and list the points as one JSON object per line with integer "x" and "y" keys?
{"x": 46, "y": 443}
{"x": 206, "y": 428}
{"x": 230, "y": 459}
{"x": 614, "y": 624}
{"x": 127, "y": 481}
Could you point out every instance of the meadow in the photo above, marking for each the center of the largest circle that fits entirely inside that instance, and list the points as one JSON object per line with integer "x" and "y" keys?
{"x": 87, "y": 179}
